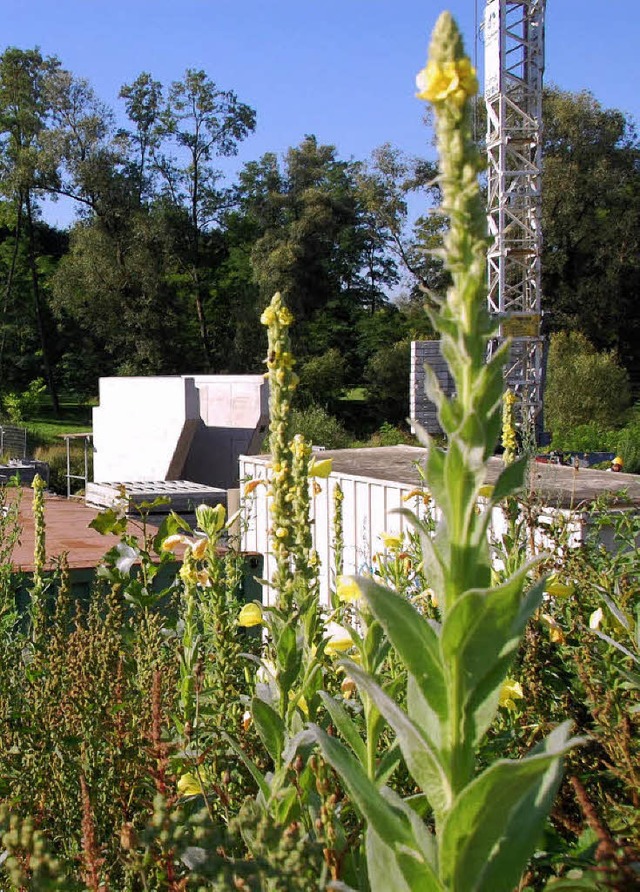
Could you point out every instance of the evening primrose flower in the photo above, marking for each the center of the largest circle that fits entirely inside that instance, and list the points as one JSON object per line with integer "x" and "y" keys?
{"x": 200, "y": 548}
{"x": 510, "y": 691}
{"x": 338, "y": 639}
{"x": 320, "y": 469}
{"x": 246, "y": 721}
{"x": 556, "y": 632}
{"x": 391, "y": 540}
{"x": 347, "y": 589}
{"x": 250, "y": 615}
{"x": 252, "y": 485}
{"x": 172, "y": 542}
{"x": 188, "y": 785}
{"x": 455, "y": 81}
{"x": 596, "y": 618}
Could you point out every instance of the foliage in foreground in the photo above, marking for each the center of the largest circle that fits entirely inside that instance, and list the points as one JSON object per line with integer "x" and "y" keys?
{"x": 147, "y": 741}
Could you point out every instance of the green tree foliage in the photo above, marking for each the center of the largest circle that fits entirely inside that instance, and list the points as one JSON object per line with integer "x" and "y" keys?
{"x": 387, "y": 380}
{"x": 583, "y": 385}
{"x": 591, "y": 223}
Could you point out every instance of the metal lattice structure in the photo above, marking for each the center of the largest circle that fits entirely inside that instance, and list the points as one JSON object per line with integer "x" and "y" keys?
{"x": 514, "y": 64}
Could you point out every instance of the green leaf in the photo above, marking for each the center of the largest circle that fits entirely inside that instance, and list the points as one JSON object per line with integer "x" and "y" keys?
{"x": 482, "y": 629}
{"x": 492, "y": 828}
{"x": 414, "y": 639}
{"x": 269, "y": 726}
{"x": 345, "y": 726}
{"x": 510, "y": 480}
{"x": 253, "y": 769}
{"x": 109, "y": 521}
{"x": 380, "y": 816}
{"x": 421, "y": 758}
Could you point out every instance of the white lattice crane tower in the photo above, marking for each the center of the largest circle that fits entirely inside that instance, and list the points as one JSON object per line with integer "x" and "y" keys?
{"x": 514, "y": 64}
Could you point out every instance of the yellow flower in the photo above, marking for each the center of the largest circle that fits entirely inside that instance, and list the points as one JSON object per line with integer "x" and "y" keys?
{"x": 301, "y": 702}
{"x": 556, "y": 632}
{"x": 250, "y": 615}
{"x": 268, "y": 316}
{"x": 281, "y": 533}
{"x": 391, "y": 540}
{"x": 510, "y": 691}
{"x": 486, "y": 491}
{"x": 347, "y": 589}
{"x": 203, "y": 578}
{"x": 320, "y": 468}
{"x": 596, "y": 618}
{"x": 417, "y": 494}
{"x": 251, "y": 485}
{"x": 200, "y": 548}
{"x": 558, "y": 589}
{"x": 172, "y": 542}
{"x": 188, "y": 785}
{"x": 338, "y": 639}
{"x": 455, "y": 80}
{"x": 348, "y": 687}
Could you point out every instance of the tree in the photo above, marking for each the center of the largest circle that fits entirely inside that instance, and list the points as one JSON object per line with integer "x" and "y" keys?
{"x": 202, "y": 122}
{"x": 583, "y": 385}
{"x": 591, "y": 224}
{"x": 28, "y": 170}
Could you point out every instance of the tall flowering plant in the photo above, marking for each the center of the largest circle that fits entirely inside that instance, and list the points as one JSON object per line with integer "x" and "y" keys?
{"x": 481, "y": 825}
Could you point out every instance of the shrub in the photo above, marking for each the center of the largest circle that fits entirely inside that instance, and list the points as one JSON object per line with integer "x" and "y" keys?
{"x": 590, "y": 437}
{"x": 583, "y": 385}
{"x": 387, "y": 380}
{"x": 323, "y": 378}
{"x": 319, "y": 428}
{"x": 18, "y": 406}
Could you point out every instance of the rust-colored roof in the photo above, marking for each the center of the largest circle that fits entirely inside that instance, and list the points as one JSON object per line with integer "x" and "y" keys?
{"x": 67, "y": 530}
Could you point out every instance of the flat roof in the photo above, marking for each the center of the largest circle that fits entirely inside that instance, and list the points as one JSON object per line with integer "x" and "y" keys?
{"x": 555, "y": 486}
{"x": 66, "y": 530}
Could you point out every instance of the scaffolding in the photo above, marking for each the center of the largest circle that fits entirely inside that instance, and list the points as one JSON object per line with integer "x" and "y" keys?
{"x": 514, "y": 64}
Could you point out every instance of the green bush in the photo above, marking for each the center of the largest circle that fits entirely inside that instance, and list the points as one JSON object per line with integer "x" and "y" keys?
{"x": 323, "y": 378}
{"x": 320, "y": 428}
{"x": 387, "y": 379}
{"x": 583, "y": 385}
{"x": 590, "y": 437}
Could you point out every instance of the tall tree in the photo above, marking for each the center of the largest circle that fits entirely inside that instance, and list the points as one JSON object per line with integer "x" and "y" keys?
{"x": 199, "y": 122}
{"x": 591, "y": 223}
{"x": 28, "y": 170}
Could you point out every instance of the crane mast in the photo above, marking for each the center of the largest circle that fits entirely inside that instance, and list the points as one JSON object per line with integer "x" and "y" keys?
{"x": 514, "y": 64}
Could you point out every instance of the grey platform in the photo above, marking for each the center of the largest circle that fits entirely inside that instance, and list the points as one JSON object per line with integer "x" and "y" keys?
{"x": 183, "y": 495}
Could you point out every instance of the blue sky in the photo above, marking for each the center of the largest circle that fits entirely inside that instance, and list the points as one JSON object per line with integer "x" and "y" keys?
{"x": 341, "y": 69}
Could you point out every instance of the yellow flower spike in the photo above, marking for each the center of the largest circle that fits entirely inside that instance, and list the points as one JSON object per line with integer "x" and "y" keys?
{"x": 455, "y": 81}
{"x": 510, "y": 691}
{"x": 558, "y": 589}
{"x": 320, "y": 469}
{"x": 250, "y": 615}
{"x": 596, "y": 618}
{"x": 391, "y": 540}
{"x": 347, "y": 590}
{"x": 188, "y": 785}
{"x": 556, "y": 632}
{"x": 172, "y": 542}
{"x": 200, "y": 548}
{"x": 268, "y": 316}
{"x": 338, "y": 639}
{"x": 188, "y": 574}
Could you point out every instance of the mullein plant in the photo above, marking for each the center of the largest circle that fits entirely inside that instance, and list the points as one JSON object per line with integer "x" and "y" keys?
{"x": 480, "y": 827}
{"x": 290, "y": 669}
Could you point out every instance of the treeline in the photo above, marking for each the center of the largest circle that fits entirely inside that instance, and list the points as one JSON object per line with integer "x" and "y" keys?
{"x": 168, "y": 264}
